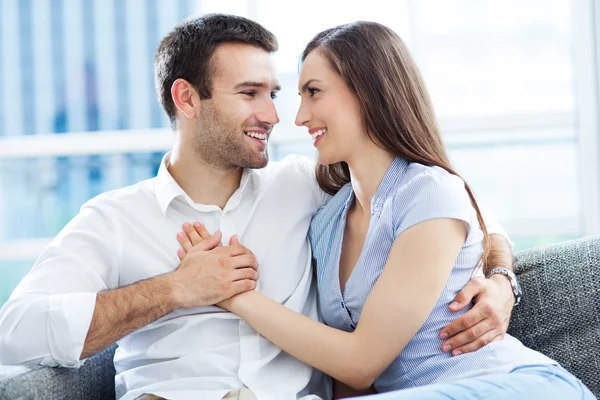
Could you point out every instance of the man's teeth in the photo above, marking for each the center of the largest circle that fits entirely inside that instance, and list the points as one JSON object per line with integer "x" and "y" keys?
{"x": 318, "y": 133}
{"x": 261, "y": 136}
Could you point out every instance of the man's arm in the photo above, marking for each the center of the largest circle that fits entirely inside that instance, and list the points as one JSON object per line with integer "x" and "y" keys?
{"x": 501, "y": 255}
{"x": 64, "y": 308}
{"x": 207, "y": 275}
{"x": 119, "y": 312}
{"x": 488, "y": 320}
{"x": 46, "y": 319}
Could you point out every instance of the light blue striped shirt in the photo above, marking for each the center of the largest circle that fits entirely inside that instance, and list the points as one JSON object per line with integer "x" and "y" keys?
{"x": 410, "y": 193}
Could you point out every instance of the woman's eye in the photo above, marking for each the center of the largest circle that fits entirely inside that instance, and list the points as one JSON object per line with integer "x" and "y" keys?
{"x": 312, "y": 91}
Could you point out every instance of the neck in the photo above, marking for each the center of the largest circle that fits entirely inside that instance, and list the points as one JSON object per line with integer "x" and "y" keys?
{"x": 204, "y": 183}
{"x": 367, "y": 170}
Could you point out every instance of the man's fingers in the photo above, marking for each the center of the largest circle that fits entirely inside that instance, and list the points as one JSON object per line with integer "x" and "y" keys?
{"x": 181, "y": 254}
{"x": 191, "y": 233}
{"x": 488, "y": 337}
{"x": 242, "y": 286}
{"x": 233, "y": 240}
{"x": 244, "y": 273}
{"x": 201, "y": 230}
{"x": 467, "y": 336}
{"x": 245, "y": 261}
{"x": 238, "y": 249}
{"x": 472, "y": 289}
{"x": 471, "y": 318}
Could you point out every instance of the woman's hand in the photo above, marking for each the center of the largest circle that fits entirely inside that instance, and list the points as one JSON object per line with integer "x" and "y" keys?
{"x": 195, "y": 235}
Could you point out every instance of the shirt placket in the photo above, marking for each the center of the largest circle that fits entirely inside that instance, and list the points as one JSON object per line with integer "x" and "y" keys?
{"x": 249, "y": 350}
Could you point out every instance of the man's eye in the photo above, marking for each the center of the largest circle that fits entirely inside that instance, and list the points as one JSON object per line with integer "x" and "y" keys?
{"x": 252, "y": 94}
{"x": 273, "y": 95}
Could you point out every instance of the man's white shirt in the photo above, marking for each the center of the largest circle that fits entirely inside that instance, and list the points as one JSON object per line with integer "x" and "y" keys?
{"x": 127, "y": 235}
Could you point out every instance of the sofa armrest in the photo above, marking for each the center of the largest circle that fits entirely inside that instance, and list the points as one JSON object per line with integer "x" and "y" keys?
{"x": 560, "y": 311}
{"x": 95, "y": 380}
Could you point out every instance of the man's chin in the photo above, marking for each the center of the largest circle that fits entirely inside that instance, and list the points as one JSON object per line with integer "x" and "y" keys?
{"x": 260, "y": 164}
{"x": 258, "y": 161}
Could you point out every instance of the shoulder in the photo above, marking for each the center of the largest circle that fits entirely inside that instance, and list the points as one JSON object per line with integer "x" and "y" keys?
{"x": 122, "y": 200}
{"x": 293, "y": 170}
{"x": 428, "y": 181}
{"x": 291, "y": 167}
{"x": 428, "y": 193}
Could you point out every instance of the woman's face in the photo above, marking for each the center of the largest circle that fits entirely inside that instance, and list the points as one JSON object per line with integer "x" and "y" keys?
{"x": 329, "y": 110}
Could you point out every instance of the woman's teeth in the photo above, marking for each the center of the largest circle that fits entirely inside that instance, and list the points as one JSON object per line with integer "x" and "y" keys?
{"x": 260, "y": 136}
{"x": 318, "y": 133}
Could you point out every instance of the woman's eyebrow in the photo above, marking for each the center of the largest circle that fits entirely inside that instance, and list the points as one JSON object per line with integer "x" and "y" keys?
{"x": 307, "y": 84}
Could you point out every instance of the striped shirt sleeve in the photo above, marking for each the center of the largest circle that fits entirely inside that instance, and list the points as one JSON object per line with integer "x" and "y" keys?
{"x": 430, "y": 195}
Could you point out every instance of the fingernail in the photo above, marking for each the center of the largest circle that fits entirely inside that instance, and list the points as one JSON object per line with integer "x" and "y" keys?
{"x": 197, "y": 224}
{"x": 454, "y": 304}
{"x": 180, "y": 235}
{"x": 444, "y": 336}
{"x": 457, "y": 353}
{"x": 446, "y": 348}
{"x": 186, "y": 225}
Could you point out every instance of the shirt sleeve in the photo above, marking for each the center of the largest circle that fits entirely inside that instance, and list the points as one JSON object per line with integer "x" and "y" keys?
{"x": 48, "y": 315}
{"x": 430, "y": 195}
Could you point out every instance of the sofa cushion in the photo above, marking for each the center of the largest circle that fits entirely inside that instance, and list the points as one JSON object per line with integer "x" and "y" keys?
{"x": 560, "y": 311}
{"x": 95, "y": 380}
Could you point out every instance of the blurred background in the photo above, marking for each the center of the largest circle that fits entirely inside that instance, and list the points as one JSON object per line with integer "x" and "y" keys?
{"x": 515, "y": 86}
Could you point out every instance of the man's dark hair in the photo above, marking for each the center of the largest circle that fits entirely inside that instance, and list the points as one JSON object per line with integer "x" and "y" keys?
{"x": 187, "y": 52}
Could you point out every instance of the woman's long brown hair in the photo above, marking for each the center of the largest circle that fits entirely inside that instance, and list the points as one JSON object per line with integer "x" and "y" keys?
{"x": 397, "y": 110}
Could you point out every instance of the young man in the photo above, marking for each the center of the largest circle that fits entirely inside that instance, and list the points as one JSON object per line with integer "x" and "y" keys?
{"x": 113, "y": 273}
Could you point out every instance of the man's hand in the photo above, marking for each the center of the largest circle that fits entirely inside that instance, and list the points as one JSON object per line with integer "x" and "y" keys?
{"x": 486, "y": 322}
{"x": 209, "y": 273}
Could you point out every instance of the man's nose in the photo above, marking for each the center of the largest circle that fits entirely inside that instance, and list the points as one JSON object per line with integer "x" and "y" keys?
{"x": 268, "y": 113}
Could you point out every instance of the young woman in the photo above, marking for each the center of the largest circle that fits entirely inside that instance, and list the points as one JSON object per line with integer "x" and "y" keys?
{"x": 400, "y": 237}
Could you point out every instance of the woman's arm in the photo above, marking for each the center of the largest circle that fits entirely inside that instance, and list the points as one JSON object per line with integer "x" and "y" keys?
{"x": 413, "y": 278}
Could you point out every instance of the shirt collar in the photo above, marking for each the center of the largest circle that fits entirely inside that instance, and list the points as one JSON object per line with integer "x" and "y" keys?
{"x": 394, "y": 174}
{"x": 166, "y": 188}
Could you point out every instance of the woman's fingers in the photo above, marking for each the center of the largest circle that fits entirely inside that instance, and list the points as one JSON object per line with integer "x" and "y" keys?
{"x": 184, "y": 241}
{"x": 201, "y": 230}
{"x": 195, "y": 235}
{"x": 191, "y": 233}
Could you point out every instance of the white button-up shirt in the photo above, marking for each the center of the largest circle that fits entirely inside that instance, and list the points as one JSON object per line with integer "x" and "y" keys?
{"x": 128, "y": 235}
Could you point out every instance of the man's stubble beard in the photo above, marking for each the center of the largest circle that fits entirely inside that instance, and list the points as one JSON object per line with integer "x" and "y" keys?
{"x": 221, "y": 144}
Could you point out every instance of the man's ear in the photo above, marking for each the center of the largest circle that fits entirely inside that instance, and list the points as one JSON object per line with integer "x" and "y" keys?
{"x": 185, "y": 97}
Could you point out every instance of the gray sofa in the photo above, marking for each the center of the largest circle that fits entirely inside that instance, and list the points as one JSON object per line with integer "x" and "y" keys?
{"x": 559, "y": 316}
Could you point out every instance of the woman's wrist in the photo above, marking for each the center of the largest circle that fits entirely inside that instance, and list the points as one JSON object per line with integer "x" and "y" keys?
{"x": 238, "y": 303}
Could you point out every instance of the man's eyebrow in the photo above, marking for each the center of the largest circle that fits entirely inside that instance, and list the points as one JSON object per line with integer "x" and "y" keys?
{"x": 257, "y": 85}
{"x": 307, "y": 84}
